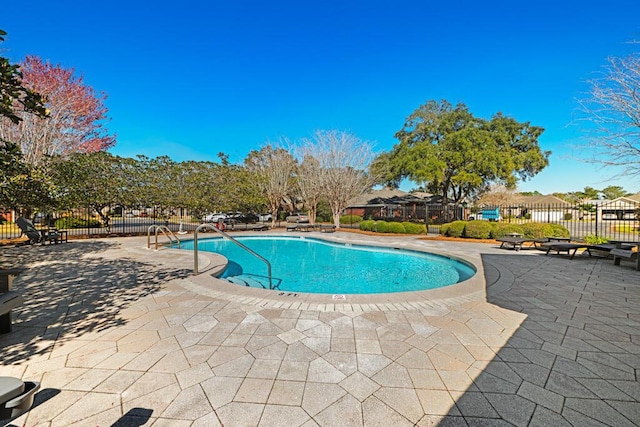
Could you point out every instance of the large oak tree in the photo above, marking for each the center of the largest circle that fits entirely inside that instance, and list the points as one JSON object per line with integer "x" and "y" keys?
{"x": 457, "y": 155}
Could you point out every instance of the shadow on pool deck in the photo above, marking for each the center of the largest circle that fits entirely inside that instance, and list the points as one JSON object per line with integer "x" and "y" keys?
{"x": 76, "y": 294}
{"x": 573, "y": 360}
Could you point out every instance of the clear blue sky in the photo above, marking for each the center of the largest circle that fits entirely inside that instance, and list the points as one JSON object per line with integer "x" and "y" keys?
{"x": 193, "y": 78}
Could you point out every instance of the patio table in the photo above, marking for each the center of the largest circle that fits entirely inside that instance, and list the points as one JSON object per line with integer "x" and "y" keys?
{"x": 626, "y": 245}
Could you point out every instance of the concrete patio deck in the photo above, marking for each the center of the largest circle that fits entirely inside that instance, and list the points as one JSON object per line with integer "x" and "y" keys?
{"x": 119, "y": 335}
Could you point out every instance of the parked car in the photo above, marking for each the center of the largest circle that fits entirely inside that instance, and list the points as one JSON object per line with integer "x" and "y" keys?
{"x": 245, "y": 218}
{"x": 214, "y": 217}
{"x": 298, "y": 217}
{"x": 265, "y": 217}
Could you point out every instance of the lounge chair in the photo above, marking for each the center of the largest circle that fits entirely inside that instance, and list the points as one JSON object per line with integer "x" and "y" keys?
{"x": 514, "y": 242}
{"x": 29, "y": 230}
{"x": 37, "y": 236}
{"x": 569, "y": 248}
{"x": 292, "y": 227}
{"x": 16, "y": 396}
{"x": 572, "y": 248}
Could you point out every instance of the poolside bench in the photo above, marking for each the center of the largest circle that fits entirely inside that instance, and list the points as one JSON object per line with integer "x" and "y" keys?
{"x": 618, "y": 254}
{"x": 8, "y": 299}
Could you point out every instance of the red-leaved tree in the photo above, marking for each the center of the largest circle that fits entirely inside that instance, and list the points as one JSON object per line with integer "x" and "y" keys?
{"x": 76, "y": 120}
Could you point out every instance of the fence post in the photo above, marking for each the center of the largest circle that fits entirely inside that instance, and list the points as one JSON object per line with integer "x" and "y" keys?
{"x": 426, "y": 217}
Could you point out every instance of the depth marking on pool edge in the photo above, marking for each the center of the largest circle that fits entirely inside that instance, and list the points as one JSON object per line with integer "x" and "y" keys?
{"x": 339, "y": 297}
{"x": 288, "y": 294}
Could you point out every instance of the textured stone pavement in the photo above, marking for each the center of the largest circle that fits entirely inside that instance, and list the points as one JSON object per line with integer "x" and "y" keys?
{"x": 120, "y": 335}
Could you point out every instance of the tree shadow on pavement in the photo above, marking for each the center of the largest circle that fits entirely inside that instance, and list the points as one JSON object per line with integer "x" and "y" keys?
{"x": 570, "y": 354}
{"x": 68, "y": 294}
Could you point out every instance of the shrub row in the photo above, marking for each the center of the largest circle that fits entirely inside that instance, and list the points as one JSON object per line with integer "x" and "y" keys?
{"x": 68, "y": 222}
{"x": 393, "y": 227}
{"x": 350, "y": 219}
{"x": 494, "y": 230}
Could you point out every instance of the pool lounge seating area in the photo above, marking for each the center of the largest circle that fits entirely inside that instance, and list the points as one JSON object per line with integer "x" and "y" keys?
{"x": 530, "y": 340}
{"x": 517, "y": 242}
{"x": 324, "y": 228}
{"x": 602, "y": 250}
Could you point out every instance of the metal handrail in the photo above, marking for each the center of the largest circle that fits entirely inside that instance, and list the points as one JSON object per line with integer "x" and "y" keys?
{"x": 164, "y": 229}
{"x": 216, "y": 229}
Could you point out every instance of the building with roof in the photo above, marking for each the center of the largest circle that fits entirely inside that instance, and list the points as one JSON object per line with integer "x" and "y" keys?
{"x": 396, "y": 205}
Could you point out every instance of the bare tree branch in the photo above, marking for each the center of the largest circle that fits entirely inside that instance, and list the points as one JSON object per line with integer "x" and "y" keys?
{"x": 343, "y": 161}
{"x": 275, "y": 167}
{"x": 613, "y": 113}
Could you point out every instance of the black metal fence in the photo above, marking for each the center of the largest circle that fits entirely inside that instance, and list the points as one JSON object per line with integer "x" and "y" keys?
{"x": 83, "y": 223}
{"x": 613, "y": 220}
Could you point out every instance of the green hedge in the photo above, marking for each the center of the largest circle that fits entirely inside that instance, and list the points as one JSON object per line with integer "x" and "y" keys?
{"x": 592, "y": 239}
{"x": 393, "y": 227}
{"x": 444, "y": 229}
{"x": 396, "y": 227}
{"x": 367, "y": 225}
{"x": 350, "y": 219}
{"x": 381, "y": 227}
{"x": 456, "y": 228}
{"x": 479, "y": 229}
{"x": 413, "y": 228}
{"x": 492, "y": 230}
{"x": 536, "y": 230}
{"x": 559, "y": 231}
{"x": 71, "y": 222}
{"x": 503, "y": 229}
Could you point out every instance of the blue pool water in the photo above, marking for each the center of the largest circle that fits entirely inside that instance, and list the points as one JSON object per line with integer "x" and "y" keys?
{"x": 317, "y": 266}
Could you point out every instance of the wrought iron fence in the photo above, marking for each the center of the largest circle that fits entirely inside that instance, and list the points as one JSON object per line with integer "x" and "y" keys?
{"x": 613, "y": 220}
{"x": 83, "y": 223}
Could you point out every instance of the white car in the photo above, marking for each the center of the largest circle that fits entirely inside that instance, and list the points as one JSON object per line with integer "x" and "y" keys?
{"x": 265, "y": 217}
{"x": 298, "y": 217}
{"x": 214, "y": 217}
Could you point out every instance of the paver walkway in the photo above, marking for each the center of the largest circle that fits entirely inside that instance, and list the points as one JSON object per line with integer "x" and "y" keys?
{"x": 119, "y": 335}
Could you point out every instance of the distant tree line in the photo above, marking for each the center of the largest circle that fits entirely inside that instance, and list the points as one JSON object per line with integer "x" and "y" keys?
{"x": 609, "y": 192}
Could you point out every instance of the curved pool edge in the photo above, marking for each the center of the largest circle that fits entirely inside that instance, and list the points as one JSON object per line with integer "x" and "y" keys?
{"x": 470, "y": 290}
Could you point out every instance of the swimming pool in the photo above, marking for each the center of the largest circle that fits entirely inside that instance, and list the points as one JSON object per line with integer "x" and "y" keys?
{"x": 317, "y": 266}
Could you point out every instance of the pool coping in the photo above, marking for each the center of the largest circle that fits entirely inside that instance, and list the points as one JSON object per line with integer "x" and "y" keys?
{"x": 432, "y": 300}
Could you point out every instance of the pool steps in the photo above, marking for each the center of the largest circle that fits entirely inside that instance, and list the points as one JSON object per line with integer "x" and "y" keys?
{"x": 245, "y": 280}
